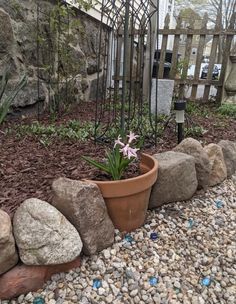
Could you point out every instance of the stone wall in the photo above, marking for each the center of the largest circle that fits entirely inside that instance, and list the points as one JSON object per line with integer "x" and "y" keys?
{"x": 18, "y": 44}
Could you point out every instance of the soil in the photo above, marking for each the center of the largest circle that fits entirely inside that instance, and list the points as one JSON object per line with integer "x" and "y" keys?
{"x": 27, "y": 168}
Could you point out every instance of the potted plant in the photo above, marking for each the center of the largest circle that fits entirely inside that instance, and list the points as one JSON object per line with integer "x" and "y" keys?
{"x": 126, "y": 199}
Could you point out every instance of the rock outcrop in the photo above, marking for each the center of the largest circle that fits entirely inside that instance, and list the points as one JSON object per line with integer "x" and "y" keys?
{"x": 39, "y": 52}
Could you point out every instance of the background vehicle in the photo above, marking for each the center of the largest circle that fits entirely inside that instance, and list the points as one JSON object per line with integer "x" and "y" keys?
{"x": 215, "y": 72}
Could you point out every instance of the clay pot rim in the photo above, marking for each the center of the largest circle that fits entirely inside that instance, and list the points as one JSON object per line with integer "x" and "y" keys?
{"x": 131, "y": 185}
{"x": 120, "y": 181}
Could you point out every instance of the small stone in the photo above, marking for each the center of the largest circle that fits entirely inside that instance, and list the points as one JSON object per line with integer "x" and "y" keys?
{"x": 133, "y": 293}
{"x": 20, "y": 299}
{"x": 109, "y": 298}
{"x": 129, "y": 273}
{"x": 151, "y": 270}
{"x": 101, "y": 291}
{"x": 106, "y": 254}
{"x": 177, "y": 285}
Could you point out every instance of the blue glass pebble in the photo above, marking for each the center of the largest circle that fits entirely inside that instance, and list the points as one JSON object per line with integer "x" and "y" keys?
{"x": 153, "y": 236}
{"x": 153, "y": 281}
{"x": 190, "y": 223}
{"x": 219, "y": 204}
{"x": 38, "y": 300}
{"x": 97, "y": 283}
{"x": 129, "y": 238}
{"x": 206, "y": 281}
{"x": 177, "y": 290}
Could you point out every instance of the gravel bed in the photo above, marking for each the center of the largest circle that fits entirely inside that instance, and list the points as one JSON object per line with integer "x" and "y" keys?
{"x": 196, "y": 245}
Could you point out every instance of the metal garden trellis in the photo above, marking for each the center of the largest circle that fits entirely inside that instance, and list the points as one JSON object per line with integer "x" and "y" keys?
{"x": 53, "y": 32}
{"x": 127, "y": 43}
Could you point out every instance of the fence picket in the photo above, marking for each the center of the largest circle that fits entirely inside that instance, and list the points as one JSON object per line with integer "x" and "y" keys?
{"x": 163, "y": 49}
{"x": 212, "y": 62}
{"x": 200, "y": 51}
{"x": 190, "y": 32}
{"x": 174, "y": 61}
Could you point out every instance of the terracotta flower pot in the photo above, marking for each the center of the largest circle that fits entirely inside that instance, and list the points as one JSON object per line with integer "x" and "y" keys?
{"x": 127, "y": 200}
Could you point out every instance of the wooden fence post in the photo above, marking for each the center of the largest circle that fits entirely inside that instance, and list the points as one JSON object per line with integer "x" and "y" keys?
{"x": 211, "y": 65}
{"x": 200, "y": 51}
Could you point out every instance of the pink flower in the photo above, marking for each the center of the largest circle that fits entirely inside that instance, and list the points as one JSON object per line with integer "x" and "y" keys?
{"x": 124, "y": 150}
{"x": 129, "y": 152}
{"x": 131, "y": 137}
{"x": 118, "y": 142}
{"x": 132, "y": 152}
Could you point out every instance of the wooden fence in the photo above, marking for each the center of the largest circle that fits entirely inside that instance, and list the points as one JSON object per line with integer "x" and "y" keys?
{"x": 202, "y": 33}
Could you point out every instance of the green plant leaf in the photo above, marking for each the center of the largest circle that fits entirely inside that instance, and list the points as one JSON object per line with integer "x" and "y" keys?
{"x": 96, "y": 164}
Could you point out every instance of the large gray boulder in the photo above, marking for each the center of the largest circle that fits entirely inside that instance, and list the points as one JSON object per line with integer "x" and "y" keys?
{"x": 84, "y": 206}
{"x": 43, "y": 235}
{"x": 218, "y": 167}
{"x": 229, "y": 152}
{"x": 177, "y": 180}
{"x": 193, "y": 147}
{"x": 8, "y": 254}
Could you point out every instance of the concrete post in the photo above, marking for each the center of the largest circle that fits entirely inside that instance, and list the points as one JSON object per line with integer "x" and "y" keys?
{"x": 230, "y": 84}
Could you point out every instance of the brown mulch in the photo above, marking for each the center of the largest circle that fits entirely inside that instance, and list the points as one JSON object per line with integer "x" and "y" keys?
{"x": 27, "y": 168}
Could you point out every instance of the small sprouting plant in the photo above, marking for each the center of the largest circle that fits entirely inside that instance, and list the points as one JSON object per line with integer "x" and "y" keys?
{"x": 197, "y": 109}
{"x": 73, "y": 130}
{"x": 195, "y": 131}
{"x": 227, "y": 110}
{"x": 117, "y": 159}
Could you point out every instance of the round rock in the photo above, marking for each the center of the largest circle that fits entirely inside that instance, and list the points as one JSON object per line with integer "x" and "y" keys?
{"x": 43, "y": 235}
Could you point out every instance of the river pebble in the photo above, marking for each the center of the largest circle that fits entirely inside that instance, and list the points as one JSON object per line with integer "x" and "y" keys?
{"x": 196, "y": 240}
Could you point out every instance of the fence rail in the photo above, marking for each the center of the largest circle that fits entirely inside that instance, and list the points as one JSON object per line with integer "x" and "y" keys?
{"x": 217, "y": 37}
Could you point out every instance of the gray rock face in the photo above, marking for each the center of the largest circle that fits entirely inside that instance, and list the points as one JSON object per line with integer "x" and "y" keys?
{"x": 8, "y": 254}
{"x": 6, "y": 33}
{"x": 29, "y": 95}
{"x": 193, "y": 147}
{"x": 218, "y": 171}
{"x": 83, "y": 205}
{"x": 43, "y": 235}
{"x": 18, "y": 41}
{"x": 229, "y": 152}
{"x": 176, "y": 180}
